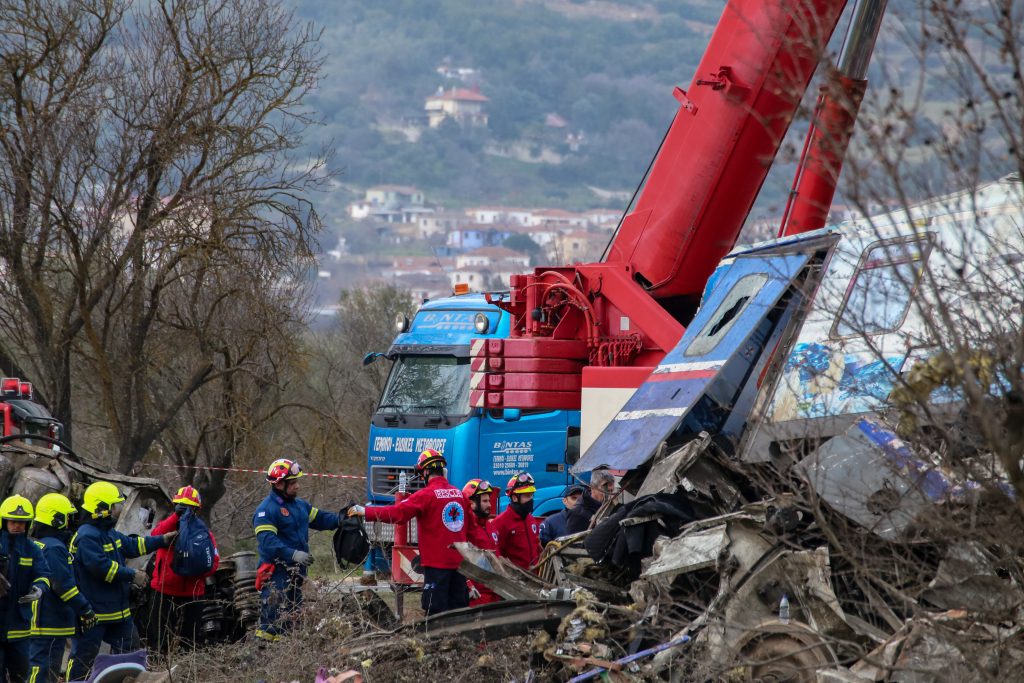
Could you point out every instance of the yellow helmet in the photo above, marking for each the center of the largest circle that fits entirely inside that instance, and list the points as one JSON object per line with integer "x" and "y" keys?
{"x": 54, "y": 509}
{"x": 100, "y": 497}
{"x": 16, "y": 507}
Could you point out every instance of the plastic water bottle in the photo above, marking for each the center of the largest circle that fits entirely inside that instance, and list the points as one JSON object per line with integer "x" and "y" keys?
{"x": 784, "y": 609}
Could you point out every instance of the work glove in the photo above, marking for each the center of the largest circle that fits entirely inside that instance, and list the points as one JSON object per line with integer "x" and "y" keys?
{"x": 88, "y": 620}
{"x": 140, "y": 578}
{"x": 302, "y": 557}
{"x": 473, "y": 592}
{"x": 357, "y": 511}
{"x": 169, "y": 537}
{"x": 33, "y": 594}
{"x": 5, "y": 586}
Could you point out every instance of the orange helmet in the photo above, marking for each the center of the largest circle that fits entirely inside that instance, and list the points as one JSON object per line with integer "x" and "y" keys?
{"x": 430, "y": 460}
{"x": 187, "y": 495}
{"x": 476, "y": 487}
{"x": 283, "y": 469}
{"x": 521, "y": 483}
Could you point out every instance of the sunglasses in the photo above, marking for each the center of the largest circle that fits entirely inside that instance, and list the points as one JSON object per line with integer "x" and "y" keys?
{"x": 524, "y": 478}
{"x": 482, "y": 487}
{"x": 295, "y": 469}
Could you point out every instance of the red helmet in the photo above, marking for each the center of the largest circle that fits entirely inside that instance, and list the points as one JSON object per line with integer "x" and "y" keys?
{"x": 521, "y": 483}
{"x": 430, "y": 460}
{"x": 187, "y": 495}
{"x": 282, "y": 469}
{"x": 476, "y": 487}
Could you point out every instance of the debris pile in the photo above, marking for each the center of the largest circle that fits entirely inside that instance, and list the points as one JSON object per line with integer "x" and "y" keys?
{"x": 836, "y": 569}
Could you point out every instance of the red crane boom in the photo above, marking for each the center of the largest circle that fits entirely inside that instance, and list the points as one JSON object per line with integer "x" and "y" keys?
{"x": 630, "y": 309}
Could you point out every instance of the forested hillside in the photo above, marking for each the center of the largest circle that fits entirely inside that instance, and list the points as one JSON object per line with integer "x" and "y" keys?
{"x": 606, "y": 75}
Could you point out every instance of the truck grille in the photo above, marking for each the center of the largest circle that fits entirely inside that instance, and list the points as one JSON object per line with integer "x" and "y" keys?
{"x": 384, "y": 480}
{"x": 384, "y": 534}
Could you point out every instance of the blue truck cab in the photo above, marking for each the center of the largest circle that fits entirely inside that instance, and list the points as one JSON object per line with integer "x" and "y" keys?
{"x": 426, "y": 404}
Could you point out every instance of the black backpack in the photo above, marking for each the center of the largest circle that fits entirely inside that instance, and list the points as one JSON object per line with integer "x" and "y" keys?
{"x": 351, "y": 544}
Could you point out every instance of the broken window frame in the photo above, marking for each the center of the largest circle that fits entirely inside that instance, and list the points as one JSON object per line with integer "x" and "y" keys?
{"x": 712, "y": 334}
{"x": 924, "y": 242}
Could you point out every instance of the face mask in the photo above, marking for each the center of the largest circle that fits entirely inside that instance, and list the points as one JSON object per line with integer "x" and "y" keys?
{"x": 522, "y": 509}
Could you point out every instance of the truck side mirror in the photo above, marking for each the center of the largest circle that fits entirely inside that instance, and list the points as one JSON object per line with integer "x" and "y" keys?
{"x": 372, "y": 357}
{"x": 511, "y": 414}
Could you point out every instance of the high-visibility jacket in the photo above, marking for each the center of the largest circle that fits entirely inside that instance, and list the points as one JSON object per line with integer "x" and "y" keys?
{"x": 56, "y": 614}
{"x": 440, "y": 512}
{"x": 518, "y": 539}
{"x": 26, "y": 568}
{"x": 165, "y": 580}
{"x": 282, "y": 527}
{"x": 99, "y": 553}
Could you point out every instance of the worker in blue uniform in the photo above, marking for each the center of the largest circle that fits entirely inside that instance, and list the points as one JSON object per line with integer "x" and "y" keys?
{"x": 61, "y": 609}
{"x": 99, "y": 553}
{"x": 26, "y": 579}
{"x": 282, "y": 523}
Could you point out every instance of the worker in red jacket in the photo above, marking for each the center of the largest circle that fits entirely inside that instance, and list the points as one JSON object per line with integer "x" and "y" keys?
{"x": 480, "y": 495}
{"x": 518, "y": 540}
{"x": 176, "y": 606}
{"x": 440, "y": 513}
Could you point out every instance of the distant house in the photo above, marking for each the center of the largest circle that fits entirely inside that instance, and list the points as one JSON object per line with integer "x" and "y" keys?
{"x": 474, "y": 236}
{"x": 500, "y": 214}
{"x": 441, "y": 222}
{"x": 459, "y": 73}
{"x": 462, "y": 105}
{"x": 578, "y": 247}
{"x": 420, "y": 265}
{"x": 559, "y": 218}
{"x": 488, "y": 268}
{"x": 391, "y": 204}
{"x": 424, "y": 286}
{"x": 487, "y": 257}
{"x": 603, "y": 217}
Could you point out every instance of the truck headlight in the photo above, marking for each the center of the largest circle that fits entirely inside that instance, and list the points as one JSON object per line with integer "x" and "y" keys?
{"x": 401, "y": 323}
{"x": 481, "y": 323}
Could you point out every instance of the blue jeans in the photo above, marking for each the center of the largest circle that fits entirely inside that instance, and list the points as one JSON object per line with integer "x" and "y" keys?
{"x": 46, "y": 654}
{"x": 121, "y": 635}
{"x": 279, "y": 598}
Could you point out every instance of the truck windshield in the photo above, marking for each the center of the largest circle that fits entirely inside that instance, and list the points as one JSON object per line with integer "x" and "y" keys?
{"x": 427, "y": 385}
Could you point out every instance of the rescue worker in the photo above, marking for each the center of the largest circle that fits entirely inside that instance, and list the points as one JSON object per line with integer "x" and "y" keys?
{"x": 516, "y": 527}
{"x": 479, "y": 494}
{"x": 557, "y": 525}
{"x": 440, "y": 513}
{"x": 23, "y": 565}
{"x": 176, "y": 607}
{"x": 99, "y": 552}
{"x": 282, "y": 523}
{"x": 63, "y": 607}
{"x": 602, "y": 487}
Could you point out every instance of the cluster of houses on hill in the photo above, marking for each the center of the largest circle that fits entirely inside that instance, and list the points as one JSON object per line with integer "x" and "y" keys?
{"x": 480, "y": 246}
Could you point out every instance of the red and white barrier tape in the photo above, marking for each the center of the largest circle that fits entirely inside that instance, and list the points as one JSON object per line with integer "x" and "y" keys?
{"x": 242, "y": 469}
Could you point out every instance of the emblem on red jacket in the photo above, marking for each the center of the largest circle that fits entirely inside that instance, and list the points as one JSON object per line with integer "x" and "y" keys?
{"x": 453, "y": 516}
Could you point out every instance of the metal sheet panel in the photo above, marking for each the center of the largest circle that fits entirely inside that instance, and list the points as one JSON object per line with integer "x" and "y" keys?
{"x": 720, "y": 333}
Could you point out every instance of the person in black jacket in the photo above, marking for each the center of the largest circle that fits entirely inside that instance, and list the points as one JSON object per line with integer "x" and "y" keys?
{"x": 602, "y": 487}
{"x": 556, "y": 525}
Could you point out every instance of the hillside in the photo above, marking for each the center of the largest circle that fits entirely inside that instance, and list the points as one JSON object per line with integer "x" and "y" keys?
{"x": 607, "y": 77}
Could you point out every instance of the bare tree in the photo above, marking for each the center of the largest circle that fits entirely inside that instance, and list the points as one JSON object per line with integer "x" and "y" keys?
{"x": 147, "y": 152}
